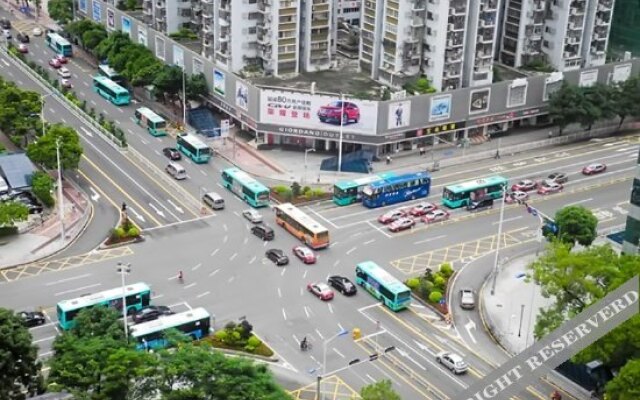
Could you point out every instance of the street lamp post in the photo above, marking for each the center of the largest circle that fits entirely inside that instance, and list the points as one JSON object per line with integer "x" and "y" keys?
{"x": 44, "y": 96}
{"x": 184, "y": 100}
{"x": 495, "y": 260}
{"x": 305, "y": 163}
{"x": 60, "y": 196}
{"x": 124, "y": 269}
{"x": 341, "y": 128}
{"x": 324, "y": 355}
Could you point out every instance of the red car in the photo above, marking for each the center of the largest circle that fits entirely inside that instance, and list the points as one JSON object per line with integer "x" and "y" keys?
{"x": 549, "y": 187}
{"x": 61, "y": 58}
{"x": 594, "y": 169}
{"x": 391, "y": 216}
{"x": 435, "y": 216}
{"x": 304, "y": 254}
{"x": 22, "y": 48}
{"x": 516, "y": 196}
{"x": 339, "y": 111}
{"x": 55, "y": 63}
{"x": 524, "y": 185}
{"x": 422, "y": 209}
{"x": 320, "y": 290}
{"x": 401, "y": 224}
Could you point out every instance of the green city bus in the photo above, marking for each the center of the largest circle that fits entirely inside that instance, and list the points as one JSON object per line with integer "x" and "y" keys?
{"x": 138, "y": 296}
{"x": 111, "y": 91}
{"x": 350, "y": 191}
{"x": 194, "y": 324}
{"x": 59, "y": 44}
{"x": 194, "y": 148}
{"x": 155, "y": 124}
{"x": 110, "y": 73}
{"x": 383, "y": 286}
{"x": 461, "y": 194}
{"x": 245, "y": 187}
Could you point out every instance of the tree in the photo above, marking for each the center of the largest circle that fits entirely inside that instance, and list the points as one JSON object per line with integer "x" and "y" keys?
{"x": 576, "y": 224}
{"x": 169, "y": 80}
{"x": 381, "y": 390}
{"x": 42, "y": 186}
{"x": 197, "y": 86}
{"x": 625, "y": 385}
{"x": 91, "y": 39}
{"x": 60, "y": 10}
{"x": 422, "y": 85}
{"x": 564, "y": 106}
{"x": 19, "y": 369}
{"x": 627, "y": 99}
{"x": 43, "y": 152}
{"x": 12, "y": 212}
{"x": 78, "y": 28}
{"x": 19, "y": 109}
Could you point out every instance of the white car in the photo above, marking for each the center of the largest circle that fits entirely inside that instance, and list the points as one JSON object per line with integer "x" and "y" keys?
{"x": 37, "y": 31}
{"x": 452, "y": 361}
{"x": 252, "y": 215}
{"x": 64, "y": 72}
{"x": 65, "y": 83}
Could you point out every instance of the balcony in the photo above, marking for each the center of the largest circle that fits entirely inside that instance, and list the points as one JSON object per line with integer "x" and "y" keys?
{"x": 597, "y": 50}
{"x": 147, "y": 11}
{"x": 223, "y": 22}
{"x": 457, "y": 11}
{"x": 417, "y": 22}
{"x": 484, "y": 39}
{"x": 206, "y": 15}
{"x": 576, "y": 11}
{"x": 605, "y": 5}
{"x": 481, "y": 55}
{"x": 452, "y": 57}
{"x": 324, "y": 7}
{"x": 288, "y": 26}
{"x": 487, "y": 22}
{"x": 319, "y": 22}
{"x": 208, "y": 44}
{"x": 207, "y": 1}
{"x": 451, "y": 43}
{"x": 452, "y": 72}
{"x": 319, "y": 38}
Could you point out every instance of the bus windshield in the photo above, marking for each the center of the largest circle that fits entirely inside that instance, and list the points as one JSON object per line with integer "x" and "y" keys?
{"x": 111, "y": 73}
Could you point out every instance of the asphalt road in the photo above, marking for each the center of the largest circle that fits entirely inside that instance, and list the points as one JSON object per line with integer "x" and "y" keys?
{"x": 226, "y": 272}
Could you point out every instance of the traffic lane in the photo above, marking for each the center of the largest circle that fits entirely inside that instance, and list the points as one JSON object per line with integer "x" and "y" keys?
{"x": 340, "y": 217}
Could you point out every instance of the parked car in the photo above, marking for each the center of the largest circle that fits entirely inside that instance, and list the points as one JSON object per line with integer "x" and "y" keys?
{"x": 61, "y": 58}
{"x": 401, "y": 224}
{"x": 32, "y": 318}
{"x": 338, "y": 111}
{"x": 558, "y": 177}
{"x": 64, "y": 72}
{"x": 479, "y": 205}
{"x": 277, "y": 256}
{"x": 65, "y": 83}
{"x": 549, "y": 187}
{"x": 524, "y": 185}
{"x": 422, "y": 208}
{"x": 5, "y": 23}
{"x": 595, "y": 168}
{"x": 263, "y": 232}
{"x": 320, "y": 290}
{"x": 435, "y": 216}
{"x": 172, "y": 153}
{"x": 391, "y": 216}
{"x": 467, "y": 299}
{"x": 150, "y": 313}
{"x": 37, "y": 31}
{"x": 452, "y": 361}
{"x": 6, "y": 33}
{"x": 252, "y": 215}
{"x": 23, "y": 37}
{"x": 22, "y": 48}
{"x": 305, "y": 254}
{"x": 516, "y": 196}
{"x": 30, "y": 201}
{"x": 342, "y": 285}
{"x": 55, "y": 63}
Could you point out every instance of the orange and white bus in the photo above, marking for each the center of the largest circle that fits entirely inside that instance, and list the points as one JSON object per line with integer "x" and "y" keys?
{"x": 302, "y": 226}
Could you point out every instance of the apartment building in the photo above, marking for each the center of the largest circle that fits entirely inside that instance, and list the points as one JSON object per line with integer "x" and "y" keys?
{"x": 452, "y": 42}
{"x": 568, "y": 34}
{"x": 167, "y": 16}
{"x": 318, "y": 35}
{"x": 349, "y": 11}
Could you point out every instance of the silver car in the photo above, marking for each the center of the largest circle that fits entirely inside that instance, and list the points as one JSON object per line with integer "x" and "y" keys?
{"x": 252, "y": 215}
{"x": 467, "y": 299}
{"x": 453, "y": 362}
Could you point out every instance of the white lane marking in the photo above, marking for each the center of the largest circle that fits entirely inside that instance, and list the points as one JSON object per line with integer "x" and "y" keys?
{"x": 370, "y": 378}
{"x": 231, "y": 279}
{"x": 224, "y": 240}
{"x": 430, "y": 239}
{"x": 338, "y": 353}
{"x": 377, "y": 228}
{"x": 224, "y": 226}
{"x": 580, "y": 201}
{"x": 306, "y": 311}
{"x": 86, "y": 84}
{"x": 214, "y": 272}
{"x": 121, "y": 110}
{"x": 304, "y": 276}
{"x": 233, "y": 256}
{"x": 44, "y": 339}
{"x": 341, "y": 328}
{"x": 213, "y": 253}
{"x": 196, "y": 267}
{"x": 93, "y": 102}
{"x": 252, "y": 260}
{"x": 508, "y": 220}
{"x": 369, "y": 241}
{"x": 330, "y": 308}
{"x": 623, "y": 149}
{"x": 319, "y": 334}
{"x": 320, "y": 216}
{"x": 77, "y": 289}
{"x": 203, "y": 172}
{"x": 283, "y": 271}
{"x": 203, "y": 294}
{"x": 335, "y": 264}
{"x": 279, "y": 293}
{"x": 351, "y": 250}
{"x": 73, "y": 278}
{"x": 157, "y": 296}
{"x": 284, "y": 314}
{"x": 190, "y": 285}
{"x": 246, "y": 239}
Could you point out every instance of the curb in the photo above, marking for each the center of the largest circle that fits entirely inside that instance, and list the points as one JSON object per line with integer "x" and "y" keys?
{"x": 104, "y": 246}
{"x": 237, "y": 353}
{"x": 259, "y": 156}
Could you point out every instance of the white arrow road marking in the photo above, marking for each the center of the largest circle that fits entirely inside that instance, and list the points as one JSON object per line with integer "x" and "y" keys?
{"x": 178, "y": 209}
{"x": 140, "y": 217}
{"x": 214, "y": 272}
{"x": 88, "y": 132}
{"x": 406, "y": 355}
{"x": 470, "y": 326}
{"x": 160, "y": 213}
{"x": 423, "y": 347}
{"x": 520, "y": 164}
{"x": 94, "y": 195}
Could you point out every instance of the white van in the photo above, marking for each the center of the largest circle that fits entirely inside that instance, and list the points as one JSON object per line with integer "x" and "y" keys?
{"x": 4, "y": 187}
{"x": 213, "y": 200}
{"x": 177, "y": 171}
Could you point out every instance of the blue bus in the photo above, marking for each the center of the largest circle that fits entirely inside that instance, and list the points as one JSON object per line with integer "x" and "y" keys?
{"x": 382, "y": 285}
{"x": 245, "y": 187}
{"x": 396, "y": 189}
{"x": 59, "y": 44}
{"x": 111, "y": 91}
{"x": 137, "y": 297}
{"x": 350, "y": 191}
{"x": 195, "y": 324}
{"x": 194, "y": 148}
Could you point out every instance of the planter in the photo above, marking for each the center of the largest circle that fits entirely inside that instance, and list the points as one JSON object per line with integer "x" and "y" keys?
{"x": 300, "y": 199}
{"x": 109, "y": 243}
{"x": 261, "y": 351}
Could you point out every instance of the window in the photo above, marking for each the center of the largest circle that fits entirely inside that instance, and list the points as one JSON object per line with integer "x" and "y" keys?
{"x": 252, "y": 30}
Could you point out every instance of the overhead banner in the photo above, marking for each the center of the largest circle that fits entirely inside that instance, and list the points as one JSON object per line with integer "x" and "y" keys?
{"x": 318, "y": 112}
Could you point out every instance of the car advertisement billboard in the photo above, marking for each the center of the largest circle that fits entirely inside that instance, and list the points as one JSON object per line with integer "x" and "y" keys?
{"x": 318, "y": 112}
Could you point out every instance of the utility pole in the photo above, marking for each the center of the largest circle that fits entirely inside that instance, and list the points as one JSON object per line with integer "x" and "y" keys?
{"x": 341, "y": 128}
{"x": 184, "y": 100}
{"x": 495, "y": 260}
{"x": 60, "y": 196}
{"x": 124, "y": 269}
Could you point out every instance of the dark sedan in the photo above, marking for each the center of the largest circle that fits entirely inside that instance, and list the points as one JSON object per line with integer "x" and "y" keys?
{"x": 151, "y": 313}
{"x": 277, "y": 256}
{"x": 342, "y": 285}
{"x": 32, "y": 318}
{"x": 172, "y": 154}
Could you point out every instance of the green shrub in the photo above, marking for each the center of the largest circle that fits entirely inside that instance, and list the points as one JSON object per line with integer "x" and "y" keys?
{"x": 221, "y": 335}
{"x": 295, "y": 189}
{"x": 435, "y": 297}
{"x": 438, "y": 279}
{"x": 42, "y": 185}
{"x": 83, "y": 105}
{"x": 120, "y": 232}
{"x": 133, "y": 232}
{"x": 17, "y": 140}
{"x": 280, "y": 189}
{"x": 308, "y": 195}
{"x": 413, "y": 283}
{"x": 317, "y": 192}
{"x": 252, "y": 344}
{"x": 305, "y": 190}
{"x": 446, "y": 270}
{"x": 2, "y": 148}
{"x": 425, "y": 287}
{"x": 31, "y": 64}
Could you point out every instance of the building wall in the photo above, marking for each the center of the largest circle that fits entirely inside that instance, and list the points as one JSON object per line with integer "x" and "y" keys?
{"x": 625, "y": 29}
{"x": 632, "y": 230}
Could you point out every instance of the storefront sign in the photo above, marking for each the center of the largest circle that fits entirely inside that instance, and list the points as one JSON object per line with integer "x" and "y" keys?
{"x": 492, "y": 119}
{"x": 222, "y": 105}
{"x": 449, "y": 127}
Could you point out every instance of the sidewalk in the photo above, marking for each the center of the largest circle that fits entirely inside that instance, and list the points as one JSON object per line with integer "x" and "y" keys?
{"x": 42, "y": 18}
{"x": 40, "y": 236}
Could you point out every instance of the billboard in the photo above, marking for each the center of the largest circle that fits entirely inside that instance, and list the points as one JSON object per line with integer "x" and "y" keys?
{"x": 588, "y": 78}
{"x": 440, "y": 107}
{"x": 318, "y": 112}
{"x": 142, "y": 36}
{"x": 218, "y": 82}
{"x": 111, "y": 19}
{"x": 399, "y": 114}
{"x": 178, "y": 56}
{"x": 97, "y": 12}
{"x": 479, "y": 101}
{"x": 126, "y": 25}
{"x": 242, "y": 95}
{"x": 160, "y": 48}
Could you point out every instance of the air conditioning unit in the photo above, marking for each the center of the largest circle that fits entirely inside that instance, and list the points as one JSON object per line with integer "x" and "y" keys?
{"x": 567, "y": 54}
{"x": 450, "y": 27}
{"x": 450, "y": 43}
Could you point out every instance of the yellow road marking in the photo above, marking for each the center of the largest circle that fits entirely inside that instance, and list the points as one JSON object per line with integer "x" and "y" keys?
{"x": 142, "y": 209}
